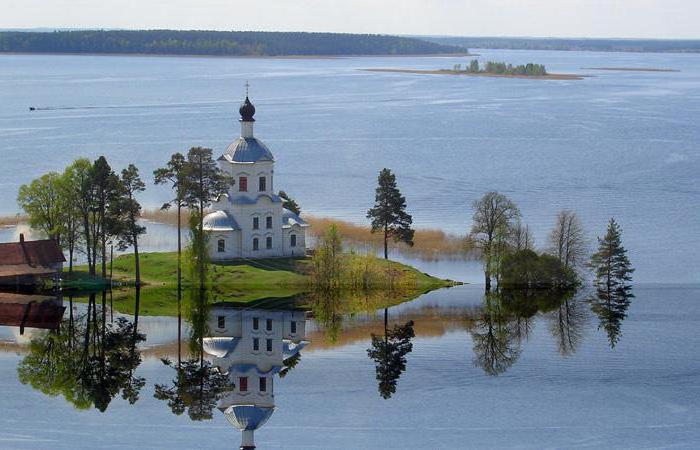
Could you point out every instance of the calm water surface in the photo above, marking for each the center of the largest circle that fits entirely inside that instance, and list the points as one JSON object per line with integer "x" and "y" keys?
{"x": 482, "y": 373}
{"x": 621, "y": 144}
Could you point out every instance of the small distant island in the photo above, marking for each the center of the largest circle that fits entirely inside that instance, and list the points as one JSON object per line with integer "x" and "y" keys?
{"x": 492, "y": 69}
{"x": 219, "y": 43}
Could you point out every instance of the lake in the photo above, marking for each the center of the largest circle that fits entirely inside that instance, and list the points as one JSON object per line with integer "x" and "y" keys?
{"x": 549, "y": 372}
{"x": 622, "y": 144}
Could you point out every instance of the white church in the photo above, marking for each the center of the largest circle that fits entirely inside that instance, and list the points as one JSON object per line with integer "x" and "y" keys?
{"x": 249, "y": 221}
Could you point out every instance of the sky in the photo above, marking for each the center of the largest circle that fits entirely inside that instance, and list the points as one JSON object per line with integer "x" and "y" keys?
{"x": 541, "y": 18}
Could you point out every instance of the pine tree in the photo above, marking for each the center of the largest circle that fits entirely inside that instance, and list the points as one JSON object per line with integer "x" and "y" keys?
{"x": 611, "y": 265}
{"x": 389, "y": 213}
{"x": 289, "y": 203}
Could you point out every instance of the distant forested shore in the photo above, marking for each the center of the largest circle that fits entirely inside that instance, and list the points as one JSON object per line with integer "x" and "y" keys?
{"x": 598, "y": 45}
{"x": 217, "y": 43}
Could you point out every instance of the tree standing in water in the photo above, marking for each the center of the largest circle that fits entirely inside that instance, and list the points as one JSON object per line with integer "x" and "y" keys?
{"x": 174, "y": 173}
{"x": 613, "y": 274}
{"x": 204, "y": 181}
{"x": 567, "y": 241}
{"x": 106, "y": 185}
{"x": 494, "y": 214}
{"x": 389, "y": 214}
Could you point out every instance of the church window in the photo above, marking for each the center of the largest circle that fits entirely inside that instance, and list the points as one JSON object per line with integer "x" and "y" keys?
{"x": 293, "y": 240}
{"x": 294, "y": 327}
{"x": 221, "y": 246}
{"x": 263, "y": 384}
{"x": 221, "y": 321}
{"x": 269, "y": 345}
{"x": 268, "y": 222}
{"x": 262, "y": 184}
{"x": 256, "y": 244}
{"x": 256, "y": 223}
{"x": 243, "y": 184}
{"x": 256, "y": 344}
{"x": 268, "y": 324}
{"x": 243, "y": 384}
{"x": 256, "y": 323}
{"x": 268, "y": 242}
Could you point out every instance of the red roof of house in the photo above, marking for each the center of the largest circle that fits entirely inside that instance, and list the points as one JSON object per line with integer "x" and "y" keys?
{"x": 33, "y": 253}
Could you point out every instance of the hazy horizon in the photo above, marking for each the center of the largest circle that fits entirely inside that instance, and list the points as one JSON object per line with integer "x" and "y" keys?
{"x": 602, "y": 19}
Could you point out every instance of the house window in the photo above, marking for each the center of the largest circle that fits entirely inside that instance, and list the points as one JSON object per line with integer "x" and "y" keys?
{"x": 263, "y": 384}
{"x": 269, "y": 345}
{"x": 294, "y": 327}
{"x": 256, "y": 223}
{"x": 243, "y": 384}
{"x": 256, "y": 244}
{"x": 221, "y": 322}
{"x": 268, "y": 242}
{"x": 293, "y": 240}
{"x": 268, "y": 324}
{"x": 256, "y": 323}
{"x": 221, "y": 246}
{"x": 268, "y": 222}
{"x": 256, "y": 344}
{"x": 262, "y": 184}
{"x": 243, "y": 184}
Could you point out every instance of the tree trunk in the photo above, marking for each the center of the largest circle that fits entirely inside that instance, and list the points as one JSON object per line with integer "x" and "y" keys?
{"x": 487, "y": 279}
{"x": 201, "y": 245}
{"x": 179, "y": 250}
{"x": 386, "y": 240}
{"x": 179, "y": 326}
{"x": 137, "y": 265}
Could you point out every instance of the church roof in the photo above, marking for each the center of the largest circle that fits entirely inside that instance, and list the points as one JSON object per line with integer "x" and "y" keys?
{"x": 289, "y": 219}
{"x": 251, "y": 201}
{"x": 248, "y": 417}
{"x": 247, "y": 150}
{"x": 220, "y": 346}
{"x": 220, "y": 221}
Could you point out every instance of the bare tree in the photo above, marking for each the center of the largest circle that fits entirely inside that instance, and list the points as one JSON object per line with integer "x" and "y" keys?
{"x": 494, "y": 213}
{"x": 567, "y": 241}
{"x": 521, "y": 237}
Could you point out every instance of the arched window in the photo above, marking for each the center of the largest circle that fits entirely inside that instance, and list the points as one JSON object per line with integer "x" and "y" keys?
{"x": 268, "y": 222}
{"x": 243, "y": 184}
{"x": 256, "y": 244}
{"x": 256, "y": 223}
{"x": 221, "y": 246}
{"x": 262, "y": 184}
{"x": 268, "y": 242}
{"x": 293, "y": 240}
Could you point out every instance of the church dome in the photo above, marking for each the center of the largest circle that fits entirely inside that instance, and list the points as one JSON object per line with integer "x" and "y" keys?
{"x": 220, "y": 221}
{"x": 248, "y": 417}
{"x": 247, "y": 110}
{"x": 248, "y": 150}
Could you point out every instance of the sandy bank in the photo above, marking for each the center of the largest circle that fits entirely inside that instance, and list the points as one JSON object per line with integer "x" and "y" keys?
{"x": 631, "y": 69}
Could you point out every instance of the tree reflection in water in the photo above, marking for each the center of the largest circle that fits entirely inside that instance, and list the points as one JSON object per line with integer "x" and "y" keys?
{"x": 87, "y": 360}
{"x": 610, "y": 305}
{"x": 198, "y": 384}
{"x": 389, "y": 354}
{"x": 566, "y": 323}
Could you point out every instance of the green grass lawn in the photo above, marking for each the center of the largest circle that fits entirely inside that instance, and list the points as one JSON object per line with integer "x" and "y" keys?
{"x": 241, "y": 281}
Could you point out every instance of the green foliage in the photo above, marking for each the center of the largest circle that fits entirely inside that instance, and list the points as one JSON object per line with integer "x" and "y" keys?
{"x": 501, "y": 68}
{"x": 327, "y": 261}
{"x": 389, "y": 214}
{"x": 612, "y": 267}
{"x": 389, "y": 354}
{"x": 527, "y": 269}
{"x": 289, "y": 203}
{"x": 41, "y": 201}
{"x": 238, "y": 43}
{"x": 196, "y": 254}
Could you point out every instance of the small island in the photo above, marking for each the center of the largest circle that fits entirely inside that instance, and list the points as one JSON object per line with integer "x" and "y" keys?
{"x": 492, "y": 69}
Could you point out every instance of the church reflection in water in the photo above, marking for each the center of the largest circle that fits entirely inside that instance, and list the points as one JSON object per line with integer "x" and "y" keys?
{"x": 252, "y": 347}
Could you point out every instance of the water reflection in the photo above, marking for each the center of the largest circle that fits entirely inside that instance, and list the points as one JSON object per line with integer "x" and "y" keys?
{"x": 86, "y": 359}
{"x": 389, "y": 354}
{"x": 610, "y": 305}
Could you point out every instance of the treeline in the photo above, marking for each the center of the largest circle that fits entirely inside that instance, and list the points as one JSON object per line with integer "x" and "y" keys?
{"x": 598, "y": 45}
{"x": 222, "y": 43}
{"x": 501, "y": 68}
